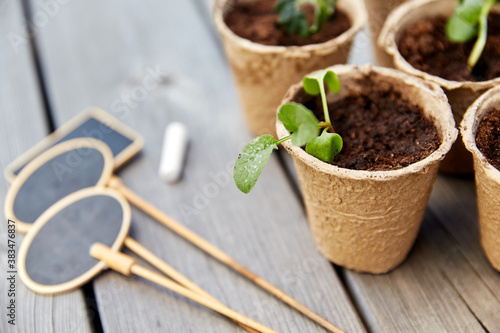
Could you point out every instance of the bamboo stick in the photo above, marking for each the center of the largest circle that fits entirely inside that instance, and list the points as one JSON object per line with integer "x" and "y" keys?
{"x": 190, "y": 236}
{"x": 171, "y": 272}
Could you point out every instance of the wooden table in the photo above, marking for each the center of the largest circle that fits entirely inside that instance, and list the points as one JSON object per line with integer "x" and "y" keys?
{"x": 94, "y": 52}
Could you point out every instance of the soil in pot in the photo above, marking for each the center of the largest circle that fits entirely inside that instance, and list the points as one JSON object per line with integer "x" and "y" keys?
{"x": 381, "y": 130}
{"x": 425, "y": 46}
{"x": 257, "y": 21}
{"x": 488, "y": 137}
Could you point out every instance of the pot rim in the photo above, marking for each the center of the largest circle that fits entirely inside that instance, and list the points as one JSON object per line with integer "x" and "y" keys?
{"x": 357, "y": 14}
{"x": 470, "y": 123}
{"x": 448, "y": 131}
{"x": 387, "y": 41}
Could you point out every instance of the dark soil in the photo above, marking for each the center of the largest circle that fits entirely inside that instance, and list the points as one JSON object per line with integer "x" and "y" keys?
{"x": 488, "y": 137}
{"x": 258, "y": 22}
{"x": 380, "y": 130}
{"x": 426, "y": 47}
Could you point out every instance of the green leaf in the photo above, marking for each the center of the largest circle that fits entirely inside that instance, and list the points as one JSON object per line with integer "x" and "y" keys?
{"x": 312, "y": 82}
{"x": 480, "y": 43}
{"x": 300, "y": 121}
{"x": 325, "y": 147}
{"x": 294, "y": 21}
{"x": 326, "y": 8}
{"x": 462, "y": 25}
{"x": 460, "y": 31}
{"x": 252, "y": 161}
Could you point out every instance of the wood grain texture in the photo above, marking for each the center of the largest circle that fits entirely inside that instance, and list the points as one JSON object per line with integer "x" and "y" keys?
{"x": 454, "y": 203}
{"x": 109, "y": 50}
{"x": 22, "y": 125}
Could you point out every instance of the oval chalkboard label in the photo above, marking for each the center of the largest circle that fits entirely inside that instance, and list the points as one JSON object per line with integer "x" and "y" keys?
{"x": 64, "y": 169}
{"x": 54, "y": 256}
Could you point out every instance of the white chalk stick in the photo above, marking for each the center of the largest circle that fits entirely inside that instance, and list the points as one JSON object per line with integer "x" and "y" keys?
{"x": 173, "y": 153}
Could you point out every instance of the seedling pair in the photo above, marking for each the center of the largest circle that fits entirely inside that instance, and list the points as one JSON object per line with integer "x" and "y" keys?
{"x": 294, "y": 20}
{"x": 306, "y": 129}
{"x": 469, "y": 20}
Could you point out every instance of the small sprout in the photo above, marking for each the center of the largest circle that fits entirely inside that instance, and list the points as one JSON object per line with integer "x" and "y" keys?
{"x": 305, "y": 128}
{"x": 469, "y": 20}
{"x": 294, "y": 20}
{"x": 312, "y": 84}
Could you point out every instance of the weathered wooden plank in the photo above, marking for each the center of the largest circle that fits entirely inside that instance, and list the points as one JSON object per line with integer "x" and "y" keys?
{"x": 453, "y": 201}
{"x": 419, "y": 295}
{"x": 108, "y": 48}
{"x": 22, "y": 124}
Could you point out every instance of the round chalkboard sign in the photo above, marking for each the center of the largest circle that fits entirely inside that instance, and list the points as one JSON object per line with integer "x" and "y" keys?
{"x": 65, "y": 168}
{"x": 54, "y": 256}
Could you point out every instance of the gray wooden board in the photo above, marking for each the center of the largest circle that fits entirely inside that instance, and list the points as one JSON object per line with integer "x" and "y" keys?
{"x": 454, "y": 203}
{"x": 446, "y": 284}
{"x": 22, "y": 125}
{"x": 108, "y": 47}
{"x": 419, "y": 295}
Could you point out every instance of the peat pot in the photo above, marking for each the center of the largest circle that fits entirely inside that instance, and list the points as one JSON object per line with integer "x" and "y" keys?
{"x": 461, "y": 94}
{"x": 487, "y": 177}
{"x": 263, "y": 73}
{"x": 368, "y": 220}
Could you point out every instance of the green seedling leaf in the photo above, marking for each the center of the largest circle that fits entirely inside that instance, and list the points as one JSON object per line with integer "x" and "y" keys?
{"x": 300, "y": 121}
{"x": 325, "y": 147}
{"x": 292, "y": 18}
{"x": 252, "y": 161}
{"x": 303, "y": 125}
{"x": 312, "y": 83}
{"x": 462, "y": 25}
{"x": 478, "y": 48}
{"x": 469, "y": 20}
{"x": 294, "y": 21}
{"x": 460, "y": 31}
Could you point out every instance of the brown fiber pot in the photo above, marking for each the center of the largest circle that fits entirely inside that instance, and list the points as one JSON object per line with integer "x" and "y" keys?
{"x": 460, "y": 94}
{"x": 264, "y": 73}
{"x": 377, "y": 13}
{"x": 368, "y": 220}
{"x": 487, "y": 177}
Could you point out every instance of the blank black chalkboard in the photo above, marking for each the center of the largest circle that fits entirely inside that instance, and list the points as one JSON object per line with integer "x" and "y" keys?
{"x": 60, "y": 251}
{"x": 55, "y": 180}
{"x": 54, "y": 256}
{"x": 123, "y": 142}
{"x": 64, "y": 169}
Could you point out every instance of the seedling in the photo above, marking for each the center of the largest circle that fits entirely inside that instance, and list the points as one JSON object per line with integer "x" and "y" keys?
{"x": 305, "y": 129}
{"x": 469, "y": 20}
{"x": 294, "y": 20}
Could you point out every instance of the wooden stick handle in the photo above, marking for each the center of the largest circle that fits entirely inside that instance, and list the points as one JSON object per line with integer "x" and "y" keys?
{"x": 171, "y": 272}
{"x": 126, "y": 265}
{"x": 190, "y": 236}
